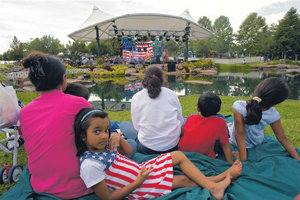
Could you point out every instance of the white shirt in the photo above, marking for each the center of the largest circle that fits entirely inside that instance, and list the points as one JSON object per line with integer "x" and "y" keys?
{"x": 158, "y": 121}
{"x": 92, "y": 172}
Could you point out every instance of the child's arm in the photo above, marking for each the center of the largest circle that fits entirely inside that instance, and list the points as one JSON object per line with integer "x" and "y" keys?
{"x": 227, "y": 152}
{"x": 117, "y": 142}
{"x": 240, "y": 134}
{"x": 281, "y": 137}
{"x": 102, "y": 191}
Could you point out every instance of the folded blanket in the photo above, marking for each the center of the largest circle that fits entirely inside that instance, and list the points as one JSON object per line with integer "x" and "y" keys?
{"x": 269, "y": 173}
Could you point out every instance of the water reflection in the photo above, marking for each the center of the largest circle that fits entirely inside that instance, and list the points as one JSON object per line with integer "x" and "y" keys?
{"x": 117, "y": 96}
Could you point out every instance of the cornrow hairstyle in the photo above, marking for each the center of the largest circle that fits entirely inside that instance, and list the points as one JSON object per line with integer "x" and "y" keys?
{"x": 153, "y": 80}
{"x": 271, "y": 91}
{"x": 209, "y": 104}
{"x": 80, "y": 127}
{"x": 45, "y": 71}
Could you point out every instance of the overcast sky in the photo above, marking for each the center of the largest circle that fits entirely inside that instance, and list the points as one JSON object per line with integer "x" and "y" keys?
{"x": 30, "y": 19}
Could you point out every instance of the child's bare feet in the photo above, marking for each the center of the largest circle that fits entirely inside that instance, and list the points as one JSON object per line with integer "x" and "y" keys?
{"x": 235, "y": 170}
{"x": 218, "y": 191}
{"x": 236, "y": 154}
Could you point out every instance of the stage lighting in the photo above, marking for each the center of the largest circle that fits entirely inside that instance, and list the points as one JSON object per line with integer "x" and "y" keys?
{"x": 116, "y": 29}
{"x": 139, "y": 37}
{"x": 145, "y": 37}
{"x": 187, "y": 29}
{"x": 177, "y": 38}
{"x": 184, "y": 38}
{"x": 160, "y": 38}
{"x": 129, "y": 37}
{"x": 168, "y": 38}
{"x": 153, "y": 37}
{"x": 119, "y": 37}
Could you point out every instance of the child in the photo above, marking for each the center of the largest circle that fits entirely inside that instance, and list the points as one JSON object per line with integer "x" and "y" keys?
{"x": 200, "y": 132}
{"x": 113, "y": 176}
{"x": 77, "y": 89}
{"x": 252, "y": 116}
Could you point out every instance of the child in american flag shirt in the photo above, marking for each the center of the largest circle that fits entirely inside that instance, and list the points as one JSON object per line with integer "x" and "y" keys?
{"x": 113, "y": 176}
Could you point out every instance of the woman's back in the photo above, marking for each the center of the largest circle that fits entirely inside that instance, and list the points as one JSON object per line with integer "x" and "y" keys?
{"x": 47, "y": 127}
{"x": 157, "y": 120}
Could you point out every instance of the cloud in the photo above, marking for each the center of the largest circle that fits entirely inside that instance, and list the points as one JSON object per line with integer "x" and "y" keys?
{"x": 279, "y": 7}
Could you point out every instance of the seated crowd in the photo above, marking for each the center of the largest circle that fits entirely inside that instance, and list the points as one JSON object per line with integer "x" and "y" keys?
{"x": 60, "y": 128}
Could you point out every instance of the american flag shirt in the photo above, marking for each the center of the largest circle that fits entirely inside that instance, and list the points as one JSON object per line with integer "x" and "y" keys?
{"x": 120, "y": 171}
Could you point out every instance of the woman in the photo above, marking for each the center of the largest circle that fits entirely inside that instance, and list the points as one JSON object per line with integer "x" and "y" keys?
{"x": 156, "y": 116}
{"x": 47, "y": 127}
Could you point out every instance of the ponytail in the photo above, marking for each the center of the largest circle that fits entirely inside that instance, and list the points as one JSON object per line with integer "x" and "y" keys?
{"x": 153, "y": 79}
{"x": 254, "y": 112}
{"x": 267, "y": 93}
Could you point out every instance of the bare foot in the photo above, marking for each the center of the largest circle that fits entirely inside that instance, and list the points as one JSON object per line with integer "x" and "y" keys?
{"x": 218, "y": 190}
{"x": 236, "y": 169}
{"x": 236, "y": 154}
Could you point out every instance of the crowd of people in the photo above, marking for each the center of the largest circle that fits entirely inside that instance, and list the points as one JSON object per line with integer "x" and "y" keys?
{"x": 60, "y": 129}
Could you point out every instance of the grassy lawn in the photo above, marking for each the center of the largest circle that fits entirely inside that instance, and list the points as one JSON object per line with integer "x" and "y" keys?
{"x": 289, "y": 112}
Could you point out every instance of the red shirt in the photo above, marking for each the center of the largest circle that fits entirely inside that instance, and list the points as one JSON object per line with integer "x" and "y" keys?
{"x": 200, "y": 134}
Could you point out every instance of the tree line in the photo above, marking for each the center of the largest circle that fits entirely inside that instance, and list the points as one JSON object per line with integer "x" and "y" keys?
{"x": 254, "y": 38}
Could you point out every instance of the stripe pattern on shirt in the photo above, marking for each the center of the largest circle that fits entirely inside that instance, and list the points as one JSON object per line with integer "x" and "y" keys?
{"x": 124, "y": 171}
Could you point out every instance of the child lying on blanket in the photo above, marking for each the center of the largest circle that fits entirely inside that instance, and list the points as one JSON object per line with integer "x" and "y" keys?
{"x": 200, "y": 132}
{"x": 113, "y": 176}
{"x": 252, "y": 116}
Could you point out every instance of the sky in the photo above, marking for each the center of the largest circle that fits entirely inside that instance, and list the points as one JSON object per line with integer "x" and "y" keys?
{"x": 28, "y": 19}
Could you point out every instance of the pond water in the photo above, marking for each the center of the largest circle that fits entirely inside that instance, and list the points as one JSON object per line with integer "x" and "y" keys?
{"x": 117, "y": 95}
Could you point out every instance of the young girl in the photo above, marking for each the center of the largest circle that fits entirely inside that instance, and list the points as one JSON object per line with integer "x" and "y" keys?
{"x": 251, "y": 117}
{"x": 113, "y": 176}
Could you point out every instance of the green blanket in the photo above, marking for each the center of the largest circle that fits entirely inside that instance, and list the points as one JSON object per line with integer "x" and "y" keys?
{"x": 269, "y": 173}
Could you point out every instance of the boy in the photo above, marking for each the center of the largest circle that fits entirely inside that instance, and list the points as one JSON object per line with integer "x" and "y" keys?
{"x": 201, "y": 132}
{"x": 77, "y": 89}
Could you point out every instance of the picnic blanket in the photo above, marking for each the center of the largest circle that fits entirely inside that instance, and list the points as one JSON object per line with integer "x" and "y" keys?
{"x": 269, "y": 173}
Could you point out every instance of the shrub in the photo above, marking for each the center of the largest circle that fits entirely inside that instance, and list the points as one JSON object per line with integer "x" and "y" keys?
{"x": 99, "y": 61}
{"x": 3, "y": 67}
{"x": 204, "y": 63}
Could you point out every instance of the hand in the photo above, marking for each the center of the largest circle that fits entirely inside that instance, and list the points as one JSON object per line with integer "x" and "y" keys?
{"x": 114, "y": 141}
{"x": 143, "y": 174}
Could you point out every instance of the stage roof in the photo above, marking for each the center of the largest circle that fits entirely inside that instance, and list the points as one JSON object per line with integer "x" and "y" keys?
{"x": 140, "y": 23}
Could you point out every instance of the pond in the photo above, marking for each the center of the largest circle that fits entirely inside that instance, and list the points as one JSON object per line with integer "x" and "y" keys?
{"x": 116, "y": 94}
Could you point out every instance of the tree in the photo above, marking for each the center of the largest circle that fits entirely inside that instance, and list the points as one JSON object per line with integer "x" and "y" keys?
{"x": 77, "y": 49}
{"x": 288, "y": 33}
{"x": 205, "y": 22}
{"x": 203, "y": 48}
{"x": 224, "y": 34}
{"x": 172, "y": 47}
{"x": 46, "y": 44}
{"x": 16, "y": 51}
{"x": 271, "y": 46}
{"x": 251, "y": 33}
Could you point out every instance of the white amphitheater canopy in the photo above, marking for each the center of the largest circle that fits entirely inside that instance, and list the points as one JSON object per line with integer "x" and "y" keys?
{"x": 141, "y": 23}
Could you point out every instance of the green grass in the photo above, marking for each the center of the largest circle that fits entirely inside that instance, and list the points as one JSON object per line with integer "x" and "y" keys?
{"x": 289, "y": 113}
{"x": 234, "y": 67}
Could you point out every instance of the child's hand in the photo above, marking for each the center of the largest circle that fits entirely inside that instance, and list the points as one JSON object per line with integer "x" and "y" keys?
{"x": 143, "y": 174}
{"x": 114, "y": 141}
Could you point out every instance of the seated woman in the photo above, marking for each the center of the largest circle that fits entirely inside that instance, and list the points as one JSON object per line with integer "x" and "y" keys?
{"x": 47, "y": 127}
{"x": 156, "y": 116}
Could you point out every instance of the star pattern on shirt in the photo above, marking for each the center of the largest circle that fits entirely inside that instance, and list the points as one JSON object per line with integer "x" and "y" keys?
{"x": 106, "y": 157}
